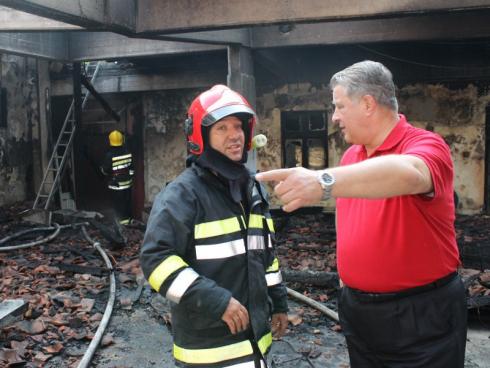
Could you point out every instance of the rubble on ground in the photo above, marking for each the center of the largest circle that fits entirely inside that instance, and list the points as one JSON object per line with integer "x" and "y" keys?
{"x": 65, "y": 284}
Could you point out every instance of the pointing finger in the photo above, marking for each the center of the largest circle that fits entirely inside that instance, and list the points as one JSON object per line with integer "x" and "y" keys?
{"x": 273, "y": 175}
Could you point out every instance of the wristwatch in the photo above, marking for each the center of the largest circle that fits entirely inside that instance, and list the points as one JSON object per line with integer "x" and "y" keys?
{"x": 326, "y": 180}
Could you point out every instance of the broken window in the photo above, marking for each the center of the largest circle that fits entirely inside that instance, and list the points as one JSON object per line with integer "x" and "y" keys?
{"x": 304, "y": 139}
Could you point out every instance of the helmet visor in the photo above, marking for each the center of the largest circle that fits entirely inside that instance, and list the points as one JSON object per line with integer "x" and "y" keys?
{"x": 225, "y": 111}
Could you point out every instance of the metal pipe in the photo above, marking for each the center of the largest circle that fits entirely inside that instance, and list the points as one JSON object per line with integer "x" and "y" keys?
{"x": 313, "y": 303}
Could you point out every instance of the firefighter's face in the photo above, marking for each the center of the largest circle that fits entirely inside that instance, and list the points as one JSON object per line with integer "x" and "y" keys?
{"x": 227, "y": 136}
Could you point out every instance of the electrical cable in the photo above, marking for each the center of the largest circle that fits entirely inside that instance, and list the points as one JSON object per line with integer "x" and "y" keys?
{"x": 406, "y": 61}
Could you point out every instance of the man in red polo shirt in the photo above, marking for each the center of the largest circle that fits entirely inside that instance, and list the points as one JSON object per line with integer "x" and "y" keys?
{"x": 403, "y": 304}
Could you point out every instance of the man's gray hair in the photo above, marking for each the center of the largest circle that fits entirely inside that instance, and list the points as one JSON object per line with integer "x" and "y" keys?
{"x": 368, "y": 78}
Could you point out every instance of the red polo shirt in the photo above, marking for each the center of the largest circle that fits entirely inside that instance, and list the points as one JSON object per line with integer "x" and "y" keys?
{"x": 397, "y": 243}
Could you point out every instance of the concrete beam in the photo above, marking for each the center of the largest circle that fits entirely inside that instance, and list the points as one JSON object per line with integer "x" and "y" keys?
{"x": 78, "y": 46}
{"x": 170, "y": 16}
{"x": 106, "y": 45}
{"x": 142, "y": 82}
{"x": 46, "y": 45}
{"x": 223, "y": 37}
{"x": 113, "y": 15}
{"x": 14, "y": 21}
{"x": 450, "y": 26}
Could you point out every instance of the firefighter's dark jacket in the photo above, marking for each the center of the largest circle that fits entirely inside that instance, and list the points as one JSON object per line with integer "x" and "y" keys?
{"x": 201, "y": 248}
{"x": 118, "y": 166}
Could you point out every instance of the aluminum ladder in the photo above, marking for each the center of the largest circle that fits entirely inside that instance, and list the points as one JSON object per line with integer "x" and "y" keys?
{"x": 61, "y": 152}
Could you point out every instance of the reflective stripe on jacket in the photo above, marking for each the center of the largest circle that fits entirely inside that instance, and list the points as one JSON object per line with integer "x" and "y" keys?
{"x": 118, "y": 165}
{"x": 200, "y": 248}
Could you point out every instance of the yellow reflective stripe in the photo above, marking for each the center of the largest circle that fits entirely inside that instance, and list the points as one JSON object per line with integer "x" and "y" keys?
{"x": 214, "y": 355}
{"x": 270, "y": 224}
{"x": 274, "y": 266}
{"x": 121, "y": 157}
{"x": 164, "y": 270}
{"x": 215, "y": 228}
{"x": 265, "y": 342}
{"x": 120, "y": 162}
{"x": 256, "y": 221}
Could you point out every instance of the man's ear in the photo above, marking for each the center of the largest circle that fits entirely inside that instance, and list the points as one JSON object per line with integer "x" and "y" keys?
{"x": 369, "y": 104}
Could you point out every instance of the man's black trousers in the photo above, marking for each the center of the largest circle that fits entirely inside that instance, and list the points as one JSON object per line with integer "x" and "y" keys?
{"x": 426, "y": 329}
{"x": 121, "y": 200}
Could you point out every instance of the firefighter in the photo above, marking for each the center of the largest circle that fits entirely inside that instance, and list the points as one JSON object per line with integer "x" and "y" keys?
{"x": 209, "y": 243}
{"x": 118, "y": 168}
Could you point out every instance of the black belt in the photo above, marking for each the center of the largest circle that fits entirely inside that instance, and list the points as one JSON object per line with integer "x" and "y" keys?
{"x": 382, "y": 297}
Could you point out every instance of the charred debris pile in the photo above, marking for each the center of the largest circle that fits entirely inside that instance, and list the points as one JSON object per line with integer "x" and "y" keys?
{"x": 65, "y": 283}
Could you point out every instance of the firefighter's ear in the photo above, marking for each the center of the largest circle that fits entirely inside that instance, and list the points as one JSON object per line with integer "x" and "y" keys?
{"x": 188, "y": 126}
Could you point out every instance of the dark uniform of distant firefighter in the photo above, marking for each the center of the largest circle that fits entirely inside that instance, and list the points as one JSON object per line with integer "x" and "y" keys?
{"x": 118, "y": 167}
{"x": 209, "y": 247}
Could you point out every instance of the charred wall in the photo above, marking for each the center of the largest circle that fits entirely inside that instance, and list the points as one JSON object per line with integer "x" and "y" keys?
{"x": 442, "y": 86}
{"x": 458, "y": 115}
{"x": 165, "y": 152}
{"x": 19, "y": 89}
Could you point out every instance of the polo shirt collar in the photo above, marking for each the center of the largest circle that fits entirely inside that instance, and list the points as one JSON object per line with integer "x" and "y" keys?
{"x": 392, "y": 139}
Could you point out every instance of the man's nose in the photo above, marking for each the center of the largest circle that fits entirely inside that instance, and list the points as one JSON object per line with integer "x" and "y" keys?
{"x": 235, "y": 132}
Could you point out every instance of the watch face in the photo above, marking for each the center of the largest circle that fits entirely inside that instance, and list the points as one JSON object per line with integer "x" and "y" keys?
{"x": 327, "y": 178}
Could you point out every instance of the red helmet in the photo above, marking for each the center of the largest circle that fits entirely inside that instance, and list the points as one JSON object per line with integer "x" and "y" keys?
{"x": 210, "y": 107}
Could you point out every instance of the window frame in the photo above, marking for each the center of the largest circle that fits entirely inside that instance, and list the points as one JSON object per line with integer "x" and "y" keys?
{"x": 304, "y": 134}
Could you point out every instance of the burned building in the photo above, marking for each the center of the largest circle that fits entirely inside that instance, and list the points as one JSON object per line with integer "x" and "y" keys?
{"x": 73, "y": 71}
{"x": 154, "y": 57}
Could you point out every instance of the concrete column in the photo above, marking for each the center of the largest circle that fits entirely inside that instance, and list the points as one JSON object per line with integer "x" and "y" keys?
{"x": 240, "y": 72}
{"x": 241, "y": 79}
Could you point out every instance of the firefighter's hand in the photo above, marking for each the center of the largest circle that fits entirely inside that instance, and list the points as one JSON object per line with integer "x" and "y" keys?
{"x": 279, "y": 324}
{"x": 236, "y": 316}
{"x": 297, "y": 187}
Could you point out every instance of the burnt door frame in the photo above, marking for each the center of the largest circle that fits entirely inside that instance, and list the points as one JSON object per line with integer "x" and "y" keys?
{"x": 137, "y": 134}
